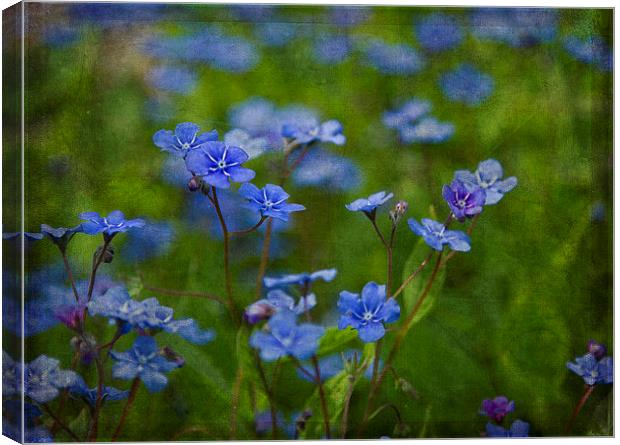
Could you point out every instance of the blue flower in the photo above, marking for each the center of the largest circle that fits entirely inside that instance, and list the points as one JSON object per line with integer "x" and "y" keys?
{"x": 467, "y": 85}
{"x": 438, "y": 32}
{"x": 184, "y": 139}
{"x": 28, "y": 236}
{"x": 114, "y": 223}
{"x": 515, "y": 26}
{"x": 269, "y": 201}
{"x": 61, "y": 235}
{"x": 154, "y": 240}
{"x": 143, "y": 360}
{"x": 593, "y": 371}
{"x": 348, "y": 15}
{"x": 465, "y": 200}
{"x": 285, "y": 337}
{"x": 276, "y": 34}
{"x": 253, "y": 146}
{"x": 488, "y": 177}
{"x": 11, "y": 376}
{"x": 176, "y": 79}
{"x": 312, "y": 131}
{"x": 218, "y": 164}
{"x": 409, "y": 112}
{"x": 90, "y": 394}
{"x": 334, "y": 364}
{"x": 330, "y": 172}
{"x": 591, "y": 50}
{"x": 276, "y": 301}
{"x": 44, "y": 379}
{"x": 60, "y": 36}
{"x": 518, "y": 428}
{"x": 330, "y": 50}
{"x": 436, "y": 235}
{"x": 367, "y": 313}
{"x": 301, "y": 279}
{"x": 369, "y": 205}
{"x": 427, "y": 131}
{"x": 399, "y": 59}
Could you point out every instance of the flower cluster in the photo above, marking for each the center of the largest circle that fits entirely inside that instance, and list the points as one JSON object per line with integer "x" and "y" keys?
{"x": 496, "y": 409}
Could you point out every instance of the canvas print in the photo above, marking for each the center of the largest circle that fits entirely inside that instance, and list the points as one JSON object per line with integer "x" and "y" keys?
{"x": 235, "y": 222}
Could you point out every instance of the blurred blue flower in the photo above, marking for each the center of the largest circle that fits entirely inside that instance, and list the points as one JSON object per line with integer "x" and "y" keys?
{"x": 438, "y": 32}
{"x": 255, "y": 12}
{"x": 147, "y": 314}
{"x": 11, "y": 376}
{"x": 218, "y": 164}
{"x": 330, "y": 50}
{"x": 160, "y": 108}
{"x": 276, "y": 301}
{"x": 515, "y": 26}
{"x": 591, "y": 50}
{"x": 398, "y": 59}
{"x": 183, "y": 139}
{"x": 312, "y": 131}
{"x": 518, "y": 428}
{"x": 497, "y": 408}
{"x": 467, "y": 85}
{"x": 255, "y": 115}
{"x": 285, "y": 337}
{"x": 488, "y": 176}
{"x": 270, "y": 201}
{"x": 276, "y": 34}
{"x": 436, "y": 235}
{"x": 348, "y": 15}
{"x": 117, "y": 14}
{"x": 176, "y": 79}
{"x": 154, "y": 240}
{"x": 301, "y": 279}
{"x": 44, "y": 378}
{"x": 28, "y": 236}
{"x": 369, "y": 205}
{"x": 61, "y": 235}
{"x": 367, "y": 313}
{"x": 90, "y": 394}
{"x": 60, "y": 35}
{"x": 232, "y": 54}
{"x": 593, "y": 371}
{"x": 12, "y": 421}
{"x": 465, "y": 200}
{"x": 173, "y": 172}
{"x": 114, "y": 223}
{"x": 253, "y": 146}
{"x": 330, "y": 172}
{"x": 427, "y": 131}
{"x": 263, "y": 422}
{"x": 409, "y": 112}
{"x": 334, "y": 364}
{"x": 143, "y": 360}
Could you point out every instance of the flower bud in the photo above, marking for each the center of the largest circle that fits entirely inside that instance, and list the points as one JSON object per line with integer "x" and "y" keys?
{"x": 596, "y": 349}
{"x": 71, "y": 315}
{"x": 193, "y": 184}
{"x": 259, "y": 311}
{"x": 399, "y": 210}
{"x": 172, "y": 356}
{"x": 108, "y": 255}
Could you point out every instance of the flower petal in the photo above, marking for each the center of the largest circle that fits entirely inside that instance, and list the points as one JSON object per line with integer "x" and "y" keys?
{"x": 371, "y": 332}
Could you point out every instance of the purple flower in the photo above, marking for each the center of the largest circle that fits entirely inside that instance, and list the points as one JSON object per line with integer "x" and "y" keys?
{"x": 276, "y": 301}
{"x": 312, "y": 131}
{"x": 143, "y": 360}
{"x": 436, "y": 235}
{"x": 285, "y": 337}
{"x": 465, "y": 200}
{"x": 218, "y": 164}
{"x": 110, "y": 225}
{"x": 370, "y": 204}
{"x": 518, "y": 428}
{"x": 72, "y": 315}
{"x": 368, "y": 312}
{"x": 593, "y": 371}
{"x": 488, "y": 177}
{"x": 497, "y": 408}
{"x": 269, "y": 201}
{"x": 184, "y": 139}
{"x": 596, "y": 349}
{"x": 301, "y": 279}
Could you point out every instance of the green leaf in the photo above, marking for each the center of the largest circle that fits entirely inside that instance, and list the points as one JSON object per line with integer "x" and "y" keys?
{"x": 335, "y": 390}
{"x": 335, "y": 340}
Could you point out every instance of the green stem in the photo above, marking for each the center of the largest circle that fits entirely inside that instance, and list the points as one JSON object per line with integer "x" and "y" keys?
{"x": 65, "y": 261}
{"x": 347, "y": 403}
{"x": 135, "y": 385}
{"x": 413, "y": 274}
{"x": 269, "y": 394}
{"x": 234, "y": 408}
{"x": 251, "y": 229}
{"x": 315, "y": 363}
{"x": 96, "y": 264}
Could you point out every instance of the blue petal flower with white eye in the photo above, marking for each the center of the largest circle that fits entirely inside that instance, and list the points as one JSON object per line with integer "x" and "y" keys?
{"x": 285, "y": 337}
{"x": 426, "y": 131}
{"x": 253, "y": 146}
{"x": 143, "y": 360}
{"x": 592, "y": 50}
{"x": 330, "y": 50}
{"x": 301, "y": 279}
{"x": 398, "y": 59}
{"x": 367, "y": 313}
{"x": 593, "y": 371}
{"x": 464, "y": 199}
{"x": 277, "y": 300}
{"x": 488, "y": 176}
{"x": 185, "y": 138}
{"x": 370, "y": 204}
{"x": 467, "y": 85}
{"x": 518, "y": 428}
{"x": 270, "y": 201}
{"x": 312, "y": 131}
{"x": 218, "y": 164}
{"x": 90, "y": 394}
{"x": 44, "y": 379}
{"x": 438, "y": 32}
{"x": 409, "y": 112}
{"x": 114, "y": 223}
{"x": 436, "y": 235}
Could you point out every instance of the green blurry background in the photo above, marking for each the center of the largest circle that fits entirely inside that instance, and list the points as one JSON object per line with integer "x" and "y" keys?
{"x": 535, "y": 288}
